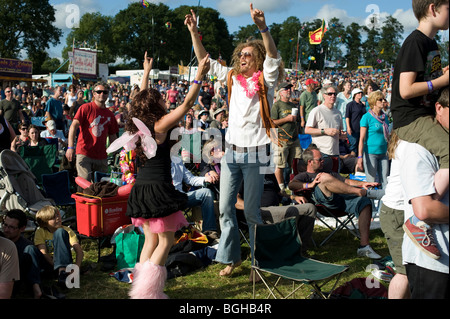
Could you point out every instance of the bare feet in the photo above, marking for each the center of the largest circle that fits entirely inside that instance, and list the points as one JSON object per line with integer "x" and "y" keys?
{"x": 228, "y": 270}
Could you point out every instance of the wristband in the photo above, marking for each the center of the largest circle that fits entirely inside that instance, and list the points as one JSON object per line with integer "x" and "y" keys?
{"x": 197, "y": 82}
{"x": 322, "y": 131}
{"x": 359, "y": 156}
{"x": 430, "y": 86}
{"x": 264, "y": 30}
{"x": 306, "y": 185}
{"x": 70, "y": 148}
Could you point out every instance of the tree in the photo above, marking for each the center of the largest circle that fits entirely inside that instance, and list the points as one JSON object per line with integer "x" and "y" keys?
{"x": 288, "y": 39}
{"x": 214, "y": 32}
{"x": 390, "y": 40}
{"x": 333, "y": 41}
{"x": 246, "y": 32}
{"x": 94, "y": 32}
{"x": 370, "y": 50}
{"x": 352, "y": 40}
{"x": 27, "y": 25}
{"x": 137, "y": 29}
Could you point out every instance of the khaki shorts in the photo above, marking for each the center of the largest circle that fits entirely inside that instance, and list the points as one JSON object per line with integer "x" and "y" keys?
{"x": 391, "y": 221}
{"x": 285, "y": 154}
{"x": 86, "y": 166}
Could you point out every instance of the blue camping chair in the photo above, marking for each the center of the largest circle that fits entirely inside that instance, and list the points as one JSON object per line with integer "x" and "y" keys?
{"x": 57, "y": 187}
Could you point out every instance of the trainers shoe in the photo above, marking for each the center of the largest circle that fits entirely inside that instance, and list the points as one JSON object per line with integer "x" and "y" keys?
{"x": 367, "y": 251}
{"x": 382, "y": 275}
{"x": 422, "y": 237}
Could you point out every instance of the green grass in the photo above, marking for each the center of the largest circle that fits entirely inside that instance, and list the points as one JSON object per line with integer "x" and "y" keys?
{"x": 207, "y": 284}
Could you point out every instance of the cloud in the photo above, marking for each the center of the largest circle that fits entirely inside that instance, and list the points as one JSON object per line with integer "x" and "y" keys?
{"x": 66, "y": 14}
{"x": 407, "y": 19}
{"x": 236, "y": 8}
{"x": 329, "y": 11}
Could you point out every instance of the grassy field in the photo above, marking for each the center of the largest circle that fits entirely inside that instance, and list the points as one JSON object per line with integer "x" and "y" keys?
{"x": 207, "y": 284}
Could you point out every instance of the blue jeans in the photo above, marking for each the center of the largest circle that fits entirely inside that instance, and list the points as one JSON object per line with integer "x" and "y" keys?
{"x": 235, "y": 168}
{"x": 204, "y": 197}
{"x": 353, "y": 141}
{"x": 376, "y": 164}
{"x": 62, "y": 255}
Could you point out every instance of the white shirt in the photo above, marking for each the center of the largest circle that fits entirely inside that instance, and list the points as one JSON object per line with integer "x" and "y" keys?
{"x": 245, "y": 127}
{"x": 417, "y": 169}
{"x": 59, "y": 134}
{"x": 322, "y": 117}
{"x": 393, "y": 197}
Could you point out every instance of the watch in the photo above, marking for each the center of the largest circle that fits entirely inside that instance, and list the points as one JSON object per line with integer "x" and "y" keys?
{"x": 322, "y": 131}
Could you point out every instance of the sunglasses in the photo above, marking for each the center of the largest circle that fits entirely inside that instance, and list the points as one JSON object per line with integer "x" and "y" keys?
{"x": 7, "y": 91}
{"x": 23, "y": 128}
{"x": 245, "y": 54}
{"x": 102, "y": 91}
{"x": 380, "y": 100}
{"x": 331, "y": 94}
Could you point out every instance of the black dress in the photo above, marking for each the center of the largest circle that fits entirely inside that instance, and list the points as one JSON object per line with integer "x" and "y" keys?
{"x": 153, "y": 194}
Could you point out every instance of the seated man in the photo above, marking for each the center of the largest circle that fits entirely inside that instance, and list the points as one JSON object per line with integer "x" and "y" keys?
{"x": 9, "y": 267}
{"x": 52, "y": 132}
{"x": 31, "y": 261}
{"x": 272, "y": 212}
{"x": 336, "y": 192}
{"x": 203, "y": 197}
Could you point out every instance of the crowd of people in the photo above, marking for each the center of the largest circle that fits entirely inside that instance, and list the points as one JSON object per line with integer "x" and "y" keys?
{"x": 234, "y": 124}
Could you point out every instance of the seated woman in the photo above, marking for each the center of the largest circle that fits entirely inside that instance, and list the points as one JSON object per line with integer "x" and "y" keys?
{"x": 21, "y": 139}
{"x": 34, "y": 137}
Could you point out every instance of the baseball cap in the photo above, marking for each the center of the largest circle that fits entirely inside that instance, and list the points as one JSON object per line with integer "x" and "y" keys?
{"x": 284, "y": 85}
{"x": 51, "y": 125}
{"x": 310, "y": 81}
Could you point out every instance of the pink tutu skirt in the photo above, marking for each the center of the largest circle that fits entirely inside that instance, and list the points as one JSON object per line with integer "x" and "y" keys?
{"x": 170, "y": 223}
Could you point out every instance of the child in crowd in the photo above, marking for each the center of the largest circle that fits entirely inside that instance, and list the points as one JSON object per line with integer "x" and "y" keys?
{"x": 154, "y": 203}
{"x": 55, "y": 241}
{"x": 418, "y": 76}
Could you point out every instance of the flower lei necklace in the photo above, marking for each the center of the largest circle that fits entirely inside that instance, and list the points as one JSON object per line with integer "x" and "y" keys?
{"x": 252, "y": 87}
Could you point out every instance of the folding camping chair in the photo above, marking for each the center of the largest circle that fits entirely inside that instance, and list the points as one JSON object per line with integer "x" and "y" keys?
{"x": 342, "y": 220}
{"x": 277, "y": 249}
{"x": 40, "y": 159}
{"x": 57, "y": 187}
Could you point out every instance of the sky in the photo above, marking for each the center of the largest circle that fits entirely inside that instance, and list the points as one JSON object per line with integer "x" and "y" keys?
{"x": 236, "y": 12}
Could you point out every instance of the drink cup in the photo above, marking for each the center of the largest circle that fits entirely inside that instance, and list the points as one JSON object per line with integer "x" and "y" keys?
{"x": 294, "y": 111}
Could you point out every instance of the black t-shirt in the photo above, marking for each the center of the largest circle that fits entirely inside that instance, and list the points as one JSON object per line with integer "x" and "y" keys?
{"x": 354, "y": 111}
{"x": 418, "y": 54}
